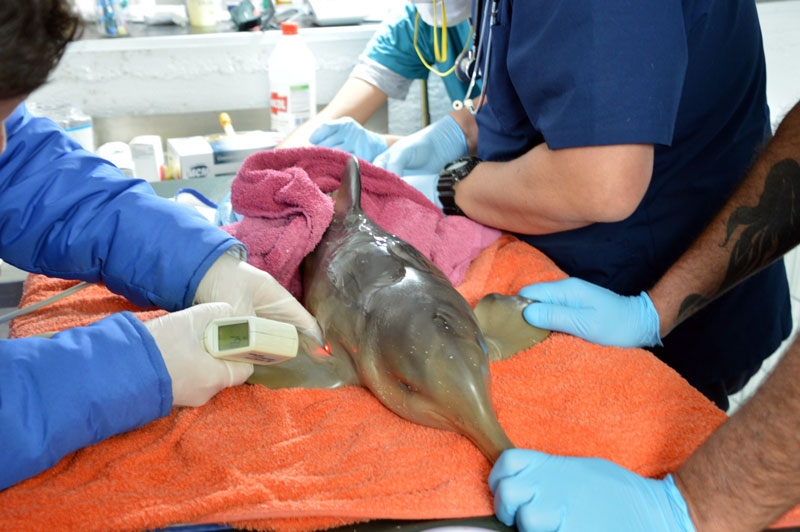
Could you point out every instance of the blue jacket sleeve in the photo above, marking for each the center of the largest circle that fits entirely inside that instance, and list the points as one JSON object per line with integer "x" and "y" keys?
{"x": 66, "y": 213}
{"x": 75, "y": 389}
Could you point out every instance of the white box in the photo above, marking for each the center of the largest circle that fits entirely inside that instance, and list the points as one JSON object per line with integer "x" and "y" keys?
{"x": 148, "y": 157}
{"x": 214, "y": 155}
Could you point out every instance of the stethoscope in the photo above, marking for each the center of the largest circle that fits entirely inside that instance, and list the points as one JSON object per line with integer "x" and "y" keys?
{"x": 466, "y": 65}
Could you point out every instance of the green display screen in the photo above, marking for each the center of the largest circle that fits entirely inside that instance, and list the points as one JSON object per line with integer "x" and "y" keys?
{"x": 233, "y": 336}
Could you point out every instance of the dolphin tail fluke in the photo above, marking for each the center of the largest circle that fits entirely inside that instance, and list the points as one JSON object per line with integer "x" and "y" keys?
{"x": 494, "y": 445}
{"x": 348, "y": 198}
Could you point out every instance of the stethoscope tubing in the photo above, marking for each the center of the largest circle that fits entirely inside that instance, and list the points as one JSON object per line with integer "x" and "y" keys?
{"x": 478, "y": 42}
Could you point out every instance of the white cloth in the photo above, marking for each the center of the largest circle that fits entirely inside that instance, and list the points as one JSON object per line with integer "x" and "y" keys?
{"x": 456, "y": 11}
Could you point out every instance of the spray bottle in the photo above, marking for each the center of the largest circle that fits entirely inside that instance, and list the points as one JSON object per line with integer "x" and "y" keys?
{"x": 292, "y": 81}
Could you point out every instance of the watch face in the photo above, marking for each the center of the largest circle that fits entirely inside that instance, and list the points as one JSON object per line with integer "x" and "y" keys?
{"x": 458, "y": 164}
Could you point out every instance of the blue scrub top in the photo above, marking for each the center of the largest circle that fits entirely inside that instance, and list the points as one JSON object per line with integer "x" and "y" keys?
{"x": 688, "y": 77}
{"x": 393, "y": 47}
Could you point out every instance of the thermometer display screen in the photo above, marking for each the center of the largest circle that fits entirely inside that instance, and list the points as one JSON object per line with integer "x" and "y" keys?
{"x": 233, "y": 336}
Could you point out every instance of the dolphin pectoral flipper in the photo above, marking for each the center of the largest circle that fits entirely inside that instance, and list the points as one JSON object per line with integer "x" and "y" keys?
{"x": 506, "y": 331}
{"x": 311, "y": 368}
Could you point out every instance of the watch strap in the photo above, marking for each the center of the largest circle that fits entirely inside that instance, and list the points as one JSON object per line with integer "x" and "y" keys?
{"x": 450, "y": 175}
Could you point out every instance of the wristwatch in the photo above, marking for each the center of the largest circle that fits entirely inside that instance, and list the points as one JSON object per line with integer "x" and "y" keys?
{"x": 451, "y": 174}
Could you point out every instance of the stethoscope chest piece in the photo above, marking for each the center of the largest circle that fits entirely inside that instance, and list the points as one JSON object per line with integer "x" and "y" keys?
{"x": 465, "y": 65}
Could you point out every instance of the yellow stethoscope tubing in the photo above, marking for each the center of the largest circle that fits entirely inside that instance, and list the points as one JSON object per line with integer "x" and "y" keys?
{"x": 440, "y": 55}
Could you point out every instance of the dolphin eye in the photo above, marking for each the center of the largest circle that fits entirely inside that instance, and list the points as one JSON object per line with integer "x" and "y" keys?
{"x": 407, "y": 387}
{"x": 441, "y": 321}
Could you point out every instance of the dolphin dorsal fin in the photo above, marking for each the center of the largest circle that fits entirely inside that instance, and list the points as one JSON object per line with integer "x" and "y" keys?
{"x": 348, "y": 198}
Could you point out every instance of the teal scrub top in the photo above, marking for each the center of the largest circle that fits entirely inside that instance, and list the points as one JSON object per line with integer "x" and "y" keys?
{"x": 393, "y": 47}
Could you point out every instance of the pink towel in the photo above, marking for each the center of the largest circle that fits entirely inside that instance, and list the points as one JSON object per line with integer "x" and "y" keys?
{"x": 283, "y": 197}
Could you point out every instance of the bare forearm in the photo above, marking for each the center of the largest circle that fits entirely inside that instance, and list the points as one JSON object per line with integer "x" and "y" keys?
{"x": 299, "y": 137}
{"x": 747, "y": 474}
{"x": 391, "y": 139}
{"x": 357, "y": 99}
{"x": 546, "y": 191}
{"x": 500, "y": 195}
{"x": 759, "y": 223}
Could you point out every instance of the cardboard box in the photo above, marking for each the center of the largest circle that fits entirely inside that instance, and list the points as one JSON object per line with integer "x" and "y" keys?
{"x": 214, "y": 155}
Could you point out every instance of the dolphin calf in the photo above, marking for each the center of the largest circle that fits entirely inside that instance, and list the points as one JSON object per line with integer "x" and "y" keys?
{"x": 394, "y": 324}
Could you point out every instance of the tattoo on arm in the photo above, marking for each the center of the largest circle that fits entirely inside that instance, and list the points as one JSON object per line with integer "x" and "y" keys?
{"x": 690, "y": 305}
{"x": 770, "y": 229}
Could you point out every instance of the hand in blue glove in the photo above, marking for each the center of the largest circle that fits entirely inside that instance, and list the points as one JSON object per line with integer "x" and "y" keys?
{"x": 593, "y": 313}
{"x": 348, "y": 135}
{"x": 225, "y": 215}
{"x": 427, "y": 151}
{"x": 427, "y": 185}
{"x": 539, "y": 492}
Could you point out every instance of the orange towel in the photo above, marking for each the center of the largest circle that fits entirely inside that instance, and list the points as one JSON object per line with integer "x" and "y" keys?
{"x": 307, "y": 459}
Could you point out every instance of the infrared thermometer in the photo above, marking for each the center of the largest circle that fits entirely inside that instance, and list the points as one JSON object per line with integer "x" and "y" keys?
{"x": 251, "y": 339}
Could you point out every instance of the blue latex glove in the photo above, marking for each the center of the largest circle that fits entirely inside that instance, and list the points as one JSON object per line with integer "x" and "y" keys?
{"x": 539, "y": 492}
{"x": 348, "y": 135}
{"x": 593, "y": 313}
{"x": 225, "y": 214}
{"x": 427, "y": 151}
{"x": 427, "y": 185}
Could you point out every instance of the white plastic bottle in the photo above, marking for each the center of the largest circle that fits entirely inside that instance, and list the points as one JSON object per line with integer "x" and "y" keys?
{"x": 292, "y": 81}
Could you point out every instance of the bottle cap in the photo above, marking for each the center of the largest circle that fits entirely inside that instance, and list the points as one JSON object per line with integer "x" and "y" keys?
{"x": 289, "y": 27}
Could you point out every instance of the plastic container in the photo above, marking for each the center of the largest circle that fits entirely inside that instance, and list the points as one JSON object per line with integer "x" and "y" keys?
{"x": 111, "y": 20}
{"x": 148, "y": 157}
{"x": 202, "y": 13}
{"x": 292, "y": 81}
{"x": 119, "y": 154}
{"x": 75, "y": 122}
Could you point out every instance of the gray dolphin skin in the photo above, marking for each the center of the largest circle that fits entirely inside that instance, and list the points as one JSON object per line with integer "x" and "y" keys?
{"x": 394, "y": 324}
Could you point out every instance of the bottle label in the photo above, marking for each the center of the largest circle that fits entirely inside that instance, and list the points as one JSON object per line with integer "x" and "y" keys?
{"x": 300, "y": 100}
{"x": 291, "y": 109}
{"x": 278, "y": 104}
